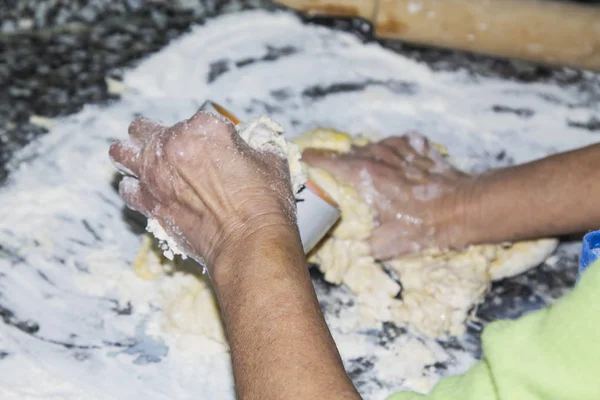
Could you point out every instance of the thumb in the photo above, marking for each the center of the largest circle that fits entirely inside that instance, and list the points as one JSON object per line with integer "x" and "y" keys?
{"x": 336, "y": 164}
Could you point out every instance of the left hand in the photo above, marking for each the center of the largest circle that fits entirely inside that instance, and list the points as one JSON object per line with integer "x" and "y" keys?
{"x": 414, "y": 190}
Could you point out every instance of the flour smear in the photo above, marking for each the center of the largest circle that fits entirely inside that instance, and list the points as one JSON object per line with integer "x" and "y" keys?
{"x": 78, "y": 324}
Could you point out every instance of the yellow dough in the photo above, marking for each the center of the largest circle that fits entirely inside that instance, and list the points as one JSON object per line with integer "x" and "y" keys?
{"x": 439, "y": 288}
{"x": 188, "y": 304}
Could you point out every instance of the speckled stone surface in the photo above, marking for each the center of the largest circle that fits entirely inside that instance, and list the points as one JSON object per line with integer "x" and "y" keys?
{"x": 55, "y": 60}
{"x": 56, "y": 55}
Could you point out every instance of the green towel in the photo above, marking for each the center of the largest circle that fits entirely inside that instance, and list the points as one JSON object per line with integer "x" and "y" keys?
{"x": 551, "y": 354}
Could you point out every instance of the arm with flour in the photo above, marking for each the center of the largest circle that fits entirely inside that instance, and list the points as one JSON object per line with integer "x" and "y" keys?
{"x": 421, "y": 201}
{"x": 232, "y": 206}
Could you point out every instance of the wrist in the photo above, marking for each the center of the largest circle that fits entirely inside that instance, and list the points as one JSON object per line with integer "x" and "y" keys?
{"x": 457, "y": 215}
{"x": 258, "y": 248}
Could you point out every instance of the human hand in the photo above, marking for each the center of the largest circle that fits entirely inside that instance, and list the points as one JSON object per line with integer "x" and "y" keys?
{"x": 208, "y": 189}
{"x": 416, "y": 193}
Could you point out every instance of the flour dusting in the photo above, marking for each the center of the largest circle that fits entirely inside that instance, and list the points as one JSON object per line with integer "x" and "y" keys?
{"x": 76, "y": 320}
{"x": 167, "y": 243}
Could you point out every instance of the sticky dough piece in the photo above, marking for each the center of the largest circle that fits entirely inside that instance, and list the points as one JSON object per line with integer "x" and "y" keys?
{"x": 521, "y": 256}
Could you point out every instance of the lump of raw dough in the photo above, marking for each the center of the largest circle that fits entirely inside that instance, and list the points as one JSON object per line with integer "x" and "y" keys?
{"x": 439, "y": 288}
{"x": 264, "y": 134}
{"x": 186, "y": 300}
{"x": 520, "y": 256}
{"x": 357, "y": 218}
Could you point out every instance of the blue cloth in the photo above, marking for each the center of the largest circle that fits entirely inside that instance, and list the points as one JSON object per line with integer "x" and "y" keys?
{"x": 590, "y": 251}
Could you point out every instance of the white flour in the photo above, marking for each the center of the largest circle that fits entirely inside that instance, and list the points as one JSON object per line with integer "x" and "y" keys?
{"x": 167, "y": 244}
{"x": 79, "y": 324}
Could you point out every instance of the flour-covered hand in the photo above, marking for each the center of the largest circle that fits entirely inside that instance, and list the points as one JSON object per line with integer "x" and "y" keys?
{"x": 414, "y": 190}
{"x": 208, "y": 189}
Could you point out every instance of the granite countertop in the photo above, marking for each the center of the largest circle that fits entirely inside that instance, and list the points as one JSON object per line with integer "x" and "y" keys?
{"x": 55, "y": 59}
{"x": 56, "y": 55}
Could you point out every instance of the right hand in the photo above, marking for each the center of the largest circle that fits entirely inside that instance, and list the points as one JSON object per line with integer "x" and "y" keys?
{"x": 416, "y": 193}
{"x": 206, "y": 186}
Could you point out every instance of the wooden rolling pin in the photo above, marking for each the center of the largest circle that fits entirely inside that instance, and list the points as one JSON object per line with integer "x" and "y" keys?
{"x": 543, "y": 31}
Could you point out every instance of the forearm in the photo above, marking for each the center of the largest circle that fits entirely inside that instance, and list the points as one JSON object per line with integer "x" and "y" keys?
{"x": 280, "y": 344}
{"x": 553, "y": 196}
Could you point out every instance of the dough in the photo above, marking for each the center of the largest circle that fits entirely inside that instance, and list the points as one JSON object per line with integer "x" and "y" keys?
{"x": 520, "y": 257}
{"x": 264, "y": 134}
{"x": 439, "y": 288}
{"x": 187, "y": 302}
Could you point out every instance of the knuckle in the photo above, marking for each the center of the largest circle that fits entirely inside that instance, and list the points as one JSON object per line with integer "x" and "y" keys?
{"x": 198, "y": 120}
{"x": 394, "y": 140}
{"x": 209, "y": 121}
{"x": 211, "y": 127}
{"x": 380, "y": 150}
{"x": 396, "y": 143}
{"x": 174, "y": 147}
{"x": 114, "y": 150}
{"x": 134, "y": 124}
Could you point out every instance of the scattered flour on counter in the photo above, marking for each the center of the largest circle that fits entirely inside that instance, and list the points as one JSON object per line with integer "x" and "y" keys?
{"x": 73, "y": 305}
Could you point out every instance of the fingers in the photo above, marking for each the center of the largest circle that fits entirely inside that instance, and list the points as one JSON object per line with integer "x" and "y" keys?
{"x": 142, "y": 129}
{"x": 401, "y": 145}
{"x": 131, "y": 192}
{"x": 340, "y": 167}
{"x": 210, "y": 125}
{"x": 125, "y": 155}
{"x": 319, "y": 158}
{"x": 383, "y": 154}
{"x": 418, "y": 142}
{"x": 413, "y": 149}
